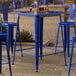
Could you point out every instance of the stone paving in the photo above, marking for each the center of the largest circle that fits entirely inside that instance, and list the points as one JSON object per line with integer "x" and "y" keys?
{"x": 52, "y": 65}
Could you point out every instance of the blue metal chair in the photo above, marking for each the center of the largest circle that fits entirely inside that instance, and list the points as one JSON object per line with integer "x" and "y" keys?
{"x": 5, "y": 36}
{"x": 60, "y": 2}
{"x": 67, "y": 26}
{"x": 17, "y": 4}
{"x": 27, "y": 3}
{"x": 70, "y": 63}
{"x": 9, "y": 25}
{"x": 6, "y": 24}
{"x": 45, "y": 2}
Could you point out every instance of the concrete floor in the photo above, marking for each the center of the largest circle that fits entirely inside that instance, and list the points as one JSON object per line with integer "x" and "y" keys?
{"x": 52, "y": 65}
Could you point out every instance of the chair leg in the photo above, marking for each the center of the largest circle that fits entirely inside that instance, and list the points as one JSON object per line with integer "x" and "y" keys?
{"x": 68, "y": 39}
{"x": 20, "y": 41}
{"x": 41, "y": 37}
{"x": 12, "y": 32}
{"x": 63, "y": 46}
{"x": 65, "y": 58}
{"x": 9, "y": 35}
{"x": 17, "y": 31}
{"x": 1, "y": 28}
{"x": 75, "y": 29}
{"x": 19, "y": 34}
{"x": 57, "y": 37}
{"x": 8, "y": 55}
{"x": 0, "y": 56}
{"x": 15, "y": 46}
{"x": 71, "y": 57}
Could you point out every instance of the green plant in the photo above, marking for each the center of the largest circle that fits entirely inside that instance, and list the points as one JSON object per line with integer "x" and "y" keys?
{"x": 25, "y": 36}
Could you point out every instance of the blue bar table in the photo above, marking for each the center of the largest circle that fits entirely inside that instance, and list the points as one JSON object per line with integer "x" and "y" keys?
{"x": 38, "y": 29}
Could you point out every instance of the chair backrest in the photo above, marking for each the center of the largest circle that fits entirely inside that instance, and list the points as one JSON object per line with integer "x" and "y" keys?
{"x": 27, "y": 3}
{"x": 17, "y": 4}
{"x": 59, "y": 2}
{"x": 5, "y": 12}
{"x": 45, "y": 2}
{"x": 71, "y": 12}
{"x": 62, "y": 2}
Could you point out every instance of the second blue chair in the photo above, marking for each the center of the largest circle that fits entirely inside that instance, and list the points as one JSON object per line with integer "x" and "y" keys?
{"x": 67, "y": 26}
{"x": 7, "y": 24}
{"x": 72, "y": 64}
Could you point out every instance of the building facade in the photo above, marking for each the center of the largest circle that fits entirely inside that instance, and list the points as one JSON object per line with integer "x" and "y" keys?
{"x": 6, "y": 0}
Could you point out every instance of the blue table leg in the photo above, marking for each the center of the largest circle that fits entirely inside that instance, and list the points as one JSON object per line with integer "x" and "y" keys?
{"x": 12, "y": 33}
{"x": 67, "y": 38}
{"x": 63, "y": 46}
{"x": 37, "y": 41}
{"x": 17, "y": 31}
{"x": 15, "y": 40}
{"x": 26, "y": 3}
{"x": 41, "y": 37}
{"x": 0, "y": 56}
{"x": 14, "y": 46}
{"x": 20, "y": 41}
{"x": 54, "y": 2}
{"x": 8, "y": 48}
{"x": 70, "y": 63}
{"x": 8, "y": 55}
{"x": 75, "y": 29}
{"x": 63, "y": 40}
{"x": 9, "y": 35}
{"x": 60, "y": 24}
{"x": 57, "y": 37}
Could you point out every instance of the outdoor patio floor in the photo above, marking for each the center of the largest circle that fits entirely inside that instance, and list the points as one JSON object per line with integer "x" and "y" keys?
{"x": 52, "y": 65}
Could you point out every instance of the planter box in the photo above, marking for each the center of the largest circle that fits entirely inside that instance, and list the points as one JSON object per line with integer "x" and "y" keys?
{"x": 70, "y": 1}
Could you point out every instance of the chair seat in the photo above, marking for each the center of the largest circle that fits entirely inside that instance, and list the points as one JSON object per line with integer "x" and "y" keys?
{"x": 74, "y": 37}
{"x": 3, "y": 35}
{"x": 67, "y": 23}
{"x": 9, "y": 23}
